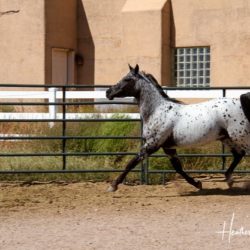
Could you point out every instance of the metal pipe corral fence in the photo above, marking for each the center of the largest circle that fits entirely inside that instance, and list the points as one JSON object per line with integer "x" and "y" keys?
{"x": 64, "y": 102}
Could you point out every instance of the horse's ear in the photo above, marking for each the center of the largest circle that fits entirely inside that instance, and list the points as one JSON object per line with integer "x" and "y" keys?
{"x": 130, "y": 67}
{"x": 136, "y": 70}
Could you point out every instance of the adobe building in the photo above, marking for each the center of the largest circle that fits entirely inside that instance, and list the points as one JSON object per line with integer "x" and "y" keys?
{"x": 181, "y": 42}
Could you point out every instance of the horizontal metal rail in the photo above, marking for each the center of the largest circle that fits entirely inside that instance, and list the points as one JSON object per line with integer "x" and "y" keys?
{"x": 65, "y": 103}
{"x": 75, "y": 171}
{"x": 74, "y": 120}
{"x": 70, "y": 137}
{"x": 46, "y": 86}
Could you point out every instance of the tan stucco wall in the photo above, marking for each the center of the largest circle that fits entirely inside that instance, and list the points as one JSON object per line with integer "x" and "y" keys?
{"x": 100, "y": 36}
{"x": 225, "y": 26}
{"x": 138, "y": 31}
{"x": 61, "y": 29}
{"x": 22, "y": 41}
{"x": 115, "y": 33}
{"x": 145, "y": 24}
{"x": 109, "y": 34}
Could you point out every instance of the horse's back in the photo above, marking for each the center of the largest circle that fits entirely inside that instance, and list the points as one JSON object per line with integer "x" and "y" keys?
{"x": 203, "y": 122}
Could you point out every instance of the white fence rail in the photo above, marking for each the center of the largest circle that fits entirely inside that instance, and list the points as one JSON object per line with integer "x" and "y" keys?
{"x": 53, "y": 95}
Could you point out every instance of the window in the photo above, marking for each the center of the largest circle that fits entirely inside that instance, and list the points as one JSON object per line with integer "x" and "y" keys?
{"x": 192, "y": 67}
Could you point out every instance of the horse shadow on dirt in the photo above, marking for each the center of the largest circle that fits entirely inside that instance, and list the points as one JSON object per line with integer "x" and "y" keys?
{"x": 233, "y": 191}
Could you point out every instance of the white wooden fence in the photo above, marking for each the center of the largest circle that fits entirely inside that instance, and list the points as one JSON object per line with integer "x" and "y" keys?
{"x": 53, "y": 94}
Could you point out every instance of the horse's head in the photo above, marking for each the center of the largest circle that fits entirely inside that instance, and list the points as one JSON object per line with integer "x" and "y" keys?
{"x": 127, "y": 86}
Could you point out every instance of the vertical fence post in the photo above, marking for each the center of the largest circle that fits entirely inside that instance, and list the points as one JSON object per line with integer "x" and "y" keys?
{"x": 144, "y": 163}
{"x": 52, "y": 108}
{"x": 64, "y": 127}
{"x": 223, "y": 147}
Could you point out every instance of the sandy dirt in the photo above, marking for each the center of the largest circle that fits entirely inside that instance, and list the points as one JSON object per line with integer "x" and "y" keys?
{"x": 84, "y": 216}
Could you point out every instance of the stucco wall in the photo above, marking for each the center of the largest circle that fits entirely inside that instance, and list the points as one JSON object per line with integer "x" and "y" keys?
{"x": 222, "y": 24}
{"x": 109, "y": 34}
{"x": 100, "y": 35}
{"x": 146, "y": 34}
{"x": 115, "y": 33}
{"x": 22, "y": 41}
{"x": 61, "y": 29}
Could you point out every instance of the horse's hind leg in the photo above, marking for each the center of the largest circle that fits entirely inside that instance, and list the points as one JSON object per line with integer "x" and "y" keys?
{"x": 178, "y": 167}
{"x": 236, "y": 160}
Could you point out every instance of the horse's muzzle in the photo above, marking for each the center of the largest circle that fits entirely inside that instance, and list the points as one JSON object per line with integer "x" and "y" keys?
{"x": 109, "y": 94}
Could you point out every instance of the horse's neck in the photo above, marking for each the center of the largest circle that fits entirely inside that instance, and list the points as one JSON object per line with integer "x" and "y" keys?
{"x": 149, "y": 100}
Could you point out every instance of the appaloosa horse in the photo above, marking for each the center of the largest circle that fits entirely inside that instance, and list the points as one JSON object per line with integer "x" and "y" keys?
{"x": 168, "y": 123}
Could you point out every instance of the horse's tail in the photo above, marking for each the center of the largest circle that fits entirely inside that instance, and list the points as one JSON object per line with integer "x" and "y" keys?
{"x": 245, "y": 104}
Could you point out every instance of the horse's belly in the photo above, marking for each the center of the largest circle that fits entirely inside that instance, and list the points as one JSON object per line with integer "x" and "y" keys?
{"x": 195, "y": 136}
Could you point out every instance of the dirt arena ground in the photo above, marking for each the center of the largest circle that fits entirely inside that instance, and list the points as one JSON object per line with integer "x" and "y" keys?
{"x": 84, "y": 216}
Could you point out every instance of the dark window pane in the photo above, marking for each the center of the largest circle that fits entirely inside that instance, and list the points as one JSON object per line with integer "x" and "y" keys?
{"x": 181, "y": 81}
{"x": 181, "y": 66}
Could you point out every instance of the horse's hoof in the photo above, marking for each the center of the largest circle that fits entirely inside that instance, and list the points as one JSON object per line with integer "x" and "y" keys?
{"x": 112, "y": 189}
{"x": 199, "y": 185}
{"x": 230, "y": 182}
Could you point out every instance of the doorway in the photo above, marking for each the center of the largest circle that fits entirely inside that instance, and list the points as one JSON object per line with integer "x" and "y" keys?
{"x": 63, "y": 66}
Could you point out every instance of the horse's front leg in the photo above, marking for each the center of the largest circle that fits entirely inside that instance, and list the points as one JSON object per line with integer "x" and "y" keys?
{"x": 145, "y": 150}
{"x": 178, "y": 167}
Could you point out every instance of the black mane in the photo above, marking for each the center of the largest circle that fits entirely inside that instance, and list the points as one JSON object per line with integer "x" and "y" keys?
{"x": 160, "y": 89}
